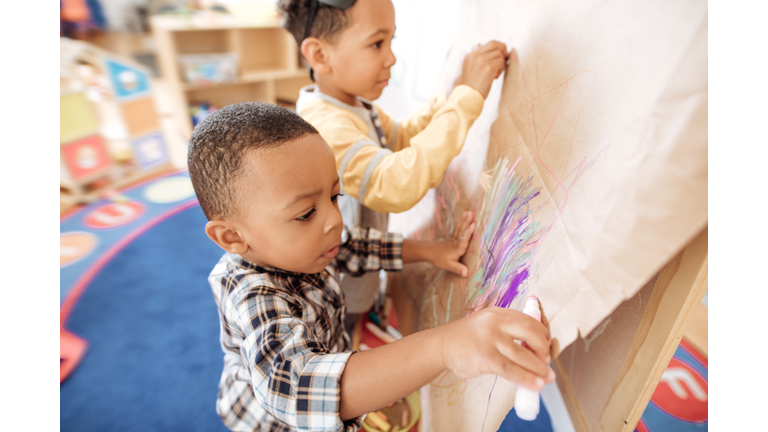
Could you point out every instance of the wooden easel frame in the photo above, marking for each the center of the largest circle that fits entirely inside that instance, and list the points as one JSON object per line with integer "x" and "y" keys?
{"x": 679, "y": 287}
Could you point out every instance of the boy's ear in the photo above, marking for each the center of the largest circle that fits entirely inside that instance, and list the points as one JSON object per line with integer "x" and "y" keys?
{"x": 226, "y": 236}
{"x": 317, "y": 54}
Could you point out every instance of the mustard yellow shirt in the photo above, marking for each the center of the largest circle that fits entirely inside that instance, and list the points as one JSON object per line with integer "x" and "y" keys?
{"x": 392, "y": 174}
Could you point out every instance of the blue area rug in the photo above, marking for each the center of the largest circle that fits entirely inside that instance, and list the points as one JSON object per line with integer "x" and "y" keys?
{"x": 513, "y": 423}
{"x": 154, "y": 359}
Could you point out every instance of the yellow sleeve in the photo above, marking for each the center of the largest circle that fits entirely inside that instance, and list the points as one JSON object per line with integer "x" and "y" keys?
{"x": 399, "y": 134}
{"x": 425, "y": 144}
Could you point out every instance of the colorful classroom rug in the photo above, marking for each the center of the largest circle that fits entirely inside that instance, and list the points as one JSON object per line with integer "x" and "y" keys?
{"x": 681, "y": 400}
{"x": 133, "y": 286}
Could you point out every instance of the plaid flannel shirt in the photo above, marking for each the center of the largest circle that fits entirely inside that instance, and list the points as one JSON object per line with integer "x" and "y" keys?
{"x": 283, "y": 337}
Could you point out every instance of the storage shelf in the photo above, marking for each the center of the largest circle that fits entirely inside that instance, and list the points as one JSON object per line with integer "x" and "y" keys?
{"x": 252, "y": 77}
{"x": 210, "y": 21}
{"x": 268, "y": 66}
{"x": 276, "y": 74}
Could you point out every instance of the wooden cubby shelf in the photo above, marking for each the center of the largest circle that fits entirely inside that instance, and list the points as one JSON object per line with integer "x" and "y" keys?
{"x": 268, "y": 61}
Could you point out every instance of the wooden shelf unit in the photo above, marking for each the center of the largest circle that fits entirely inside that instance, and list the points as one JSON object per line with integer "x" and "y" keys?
{"x": 268, "y": 58}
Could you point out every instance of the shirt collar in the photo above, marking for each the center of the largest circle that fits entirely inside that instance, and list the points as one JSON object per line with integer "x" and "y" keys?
{"x": 245, "y": 264}
{"x": 311, "y": 92}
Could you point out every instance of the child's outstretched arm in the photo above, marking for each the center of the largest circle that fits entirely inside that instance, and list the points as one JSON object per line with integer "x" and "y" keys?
{"x": 478, "y": 71}
{"x": 481, "y": 343}
{"x": 444, "y": 254}
{"x": 426, "y": 144}
{"x": 368, "y": 249}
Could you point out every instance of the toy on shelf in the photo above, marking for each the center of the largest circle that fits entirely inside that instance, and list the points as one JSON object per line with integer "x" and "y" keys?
{"x": 110, "y": 132}
{"x": 208, "y": 69}
{"x": 199, "y": 111}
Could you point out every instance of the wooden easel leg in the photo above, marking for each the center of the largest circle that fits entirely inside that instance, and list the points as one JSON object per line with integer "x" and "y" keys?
{"x": 672, "y": 296}
{"x": 679, "y": 288}
{"x": 569, "y": 398}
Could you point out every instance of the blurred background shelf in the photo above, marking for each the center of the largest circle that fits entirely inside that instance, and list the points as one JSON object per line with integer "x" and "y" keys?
{"x": 267, "y": 65}
{"x": 111, "y": 131}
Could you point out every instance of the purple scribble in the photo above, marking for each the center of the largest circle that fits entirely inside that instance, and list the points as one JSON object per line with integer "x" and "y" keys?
{"x": 507, "y": 297}
{"x": 510, "y": 236}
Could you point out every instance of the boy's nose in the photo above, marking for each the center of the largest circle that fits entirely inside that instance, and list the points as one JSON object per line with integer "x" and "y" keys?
{"x": 334, "y": 221}
{"x": 391, "y": 59}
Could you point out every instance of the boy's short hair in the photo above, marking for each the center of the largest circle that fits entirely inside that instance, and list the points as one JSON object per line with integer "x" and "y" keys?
{"x": 221, "y": 141}
{"x": 328, "y": 22}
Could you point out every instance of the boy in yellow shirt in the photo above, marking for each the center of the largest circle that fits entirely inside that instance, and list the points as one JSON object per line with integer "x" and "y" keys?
{"x": 384, "y": 166}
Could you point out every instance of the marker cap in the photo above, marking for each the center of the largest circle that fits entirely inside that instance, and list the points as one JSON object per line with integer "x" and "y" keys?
{"x": 526, "y": 404}
{"x": 532, "y": 308}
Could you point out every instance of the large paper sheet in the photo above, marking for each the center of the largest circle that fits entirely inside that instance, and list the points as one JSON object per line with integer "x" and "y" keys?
{"x": 587, "y": 171}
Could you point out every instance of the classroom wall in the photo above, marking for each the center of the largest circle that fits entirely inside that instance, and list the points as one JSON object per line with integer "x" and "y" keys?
{"x": 426, "y": 30}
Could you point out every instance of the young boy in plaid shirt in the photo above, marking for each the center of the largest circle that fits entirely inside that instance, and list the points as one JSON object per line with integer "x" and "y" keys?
{"x": 267, "y": 182}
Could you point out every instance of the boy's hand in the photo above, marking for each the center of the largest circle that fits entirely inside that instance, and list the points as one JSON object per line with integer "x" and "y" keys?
{"x": 448, "y": 252}
{"x": 482, "y": 66}
{"x": 484, "y": 343}
{"x": 444, "y": 253}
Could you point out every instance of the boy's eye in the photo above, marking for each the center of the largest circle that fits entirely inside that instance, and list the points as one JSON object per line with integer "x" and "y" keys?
{"x": 336, "y": 197}
{"x": 377, "y": 45}
{"x": 305, "y": 217}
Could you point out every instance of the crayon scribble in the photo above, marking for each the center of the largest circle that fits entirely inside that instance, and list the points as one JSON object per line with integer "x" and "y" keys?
{"x": 446, "y": 197}
{"x": 509, "y": 238}
{"x": 456, "y": 389}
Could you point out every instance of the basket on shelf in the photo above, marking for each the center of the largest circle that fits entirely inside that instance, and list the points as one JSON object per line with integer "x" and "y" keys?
{"x": 212, "y": 68}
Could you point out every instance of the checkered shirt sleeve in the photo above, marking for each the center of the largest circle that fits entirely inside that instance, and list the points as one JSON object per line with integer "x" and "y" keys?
{"x": 368, "y": 249}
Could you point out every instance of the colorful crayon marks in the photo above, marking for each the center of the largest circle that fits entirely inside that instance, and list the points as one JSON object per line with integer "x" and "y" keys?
{"x": 509, "y": 238}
